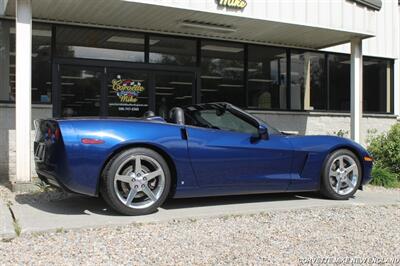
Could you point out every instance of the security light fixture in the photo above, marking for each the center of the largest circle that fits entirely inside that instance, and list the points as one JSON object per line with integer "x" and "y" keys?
{"x": 130, "y": 40}
{"x": 180, "y": 83}
{"x": 221, "y": 28}
{"x": 224, "y": 49}
{"x": 230, "y": 85}
{"x": 36, "y": 32}
{"x": 67, "y": 83}
{"x": 261, "y": 80}
{"x": 210, "y": 77}
{"x": 72, "y": 77}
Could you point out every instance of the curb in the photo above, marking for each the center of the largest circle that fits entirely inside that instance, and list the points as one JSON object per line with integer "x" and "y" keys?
{"x": 167, "y": 219}
{"x": 6, "y": 222}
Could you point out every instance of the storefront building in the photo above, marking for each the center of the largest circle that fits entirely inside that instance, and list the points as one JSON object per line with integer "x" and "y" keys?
{"x": 121, "y": 58}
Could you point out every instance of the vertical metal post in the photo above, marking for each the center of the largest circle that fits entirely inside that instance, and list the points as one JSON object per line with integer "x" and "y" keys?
{"x": 23, "y": 72}
{"x": 396, "y": 81}
{"x": 356, "y": 88}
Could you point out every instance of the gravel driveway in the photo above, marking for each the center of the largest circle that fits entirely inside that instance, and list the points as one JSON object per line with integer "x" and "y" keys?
{"x": 274, "y": 237}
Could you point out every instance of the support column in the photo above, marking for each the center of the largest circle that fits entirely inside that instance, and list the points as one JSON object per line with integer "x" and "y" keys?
{"x": 307, "y": 81}
{"x": 23, "y": 65}
{"x": 356, "y": 88}
{"x": 396, "y": 80}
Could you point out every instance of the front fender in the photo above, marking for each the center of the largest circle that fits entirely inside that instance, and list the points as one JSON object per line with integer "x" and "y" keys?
{"x": 312, "y": 151}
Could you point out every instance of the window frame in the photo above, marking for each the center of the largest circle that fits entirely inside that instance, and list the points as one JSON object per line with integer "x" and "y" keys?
{"x": 197, "y": 66}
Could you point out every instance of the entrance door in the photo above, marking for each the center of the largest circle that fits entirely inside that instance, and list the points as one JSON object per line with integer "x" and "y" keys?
{"x": 128, "y": 93}
{"x": 80, "y": 90}
{"x": 173, "y": 89}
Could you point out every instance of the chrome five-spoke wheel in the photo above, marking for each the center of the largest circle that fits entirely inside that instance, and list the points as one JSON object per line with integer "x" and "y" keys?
{"x": 139, "y": 181}
{"x": 342, "y": 175}
{"x": 136, "y": 181}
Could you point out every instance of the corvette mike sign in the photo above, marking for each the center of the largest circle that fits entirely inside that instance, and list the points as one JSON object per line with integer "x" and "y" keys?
{"x": 239, "y": 4}
{"x": 127, "y": 90}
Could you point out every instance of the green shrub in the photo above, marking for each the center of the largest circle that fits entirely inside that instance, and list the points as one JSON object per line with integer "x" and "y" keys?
{"x": 385, "y": 149}
{"x": 384, "y": 177}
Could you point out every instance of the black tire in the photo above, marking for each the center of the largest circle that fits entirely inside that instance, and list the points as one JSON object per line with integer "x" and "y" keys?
{"x": 109, "y": 194}
{"x": 326, "y": 188}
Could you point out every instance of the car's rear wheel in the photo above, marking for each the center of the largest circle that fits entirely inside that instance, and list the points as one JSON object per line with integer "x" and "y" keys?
{"x": 136, "y": 181}
{"x": 341, "y": 175}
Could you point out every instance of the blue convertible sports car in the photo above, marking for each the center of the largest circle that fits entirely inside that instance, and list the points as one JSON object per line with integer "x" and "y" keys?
{"x": 201, "y": 150}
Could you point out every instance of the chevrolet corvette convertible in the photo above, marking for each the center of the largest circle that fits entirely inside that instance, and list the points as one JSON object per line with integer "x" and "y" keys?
{"x": 201, "y": 150}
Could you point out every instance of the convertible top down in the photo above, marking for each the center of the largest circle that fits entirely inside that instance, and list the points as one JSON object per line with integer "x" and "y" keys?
{"x": 200, "y": 150}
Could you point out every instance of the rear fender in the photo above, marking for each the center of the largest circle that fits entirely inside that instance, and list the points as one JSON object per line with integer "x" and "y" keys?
{"x": 86, "y": 162}
{"x": 153, "y": 146}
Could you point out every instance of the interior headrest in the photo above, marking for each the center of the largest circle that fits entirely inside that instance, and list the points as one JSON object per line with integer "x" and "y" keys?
{"x": 177, "y": 116}
{"x": 148, "y": 114}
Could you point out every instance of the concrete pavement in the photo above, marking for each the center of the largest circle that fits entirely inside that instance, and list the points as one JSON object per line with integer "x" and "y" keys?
{"x": 36, "y": 215}
{"x": 6, "y": 221}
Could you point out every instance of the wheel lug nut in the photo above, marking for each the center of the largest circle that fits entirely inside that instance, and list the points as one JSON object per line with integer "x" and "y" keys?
{"x": 136, "y": 186}
{"x": 138, "y": 175}
{"x": 144, "y": 178}
{"x": 142, "y": 186}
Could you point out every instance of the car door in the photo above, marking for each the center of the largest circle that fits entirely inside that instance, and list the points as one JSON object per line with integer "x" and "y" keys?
{"x": 223, "y": 154}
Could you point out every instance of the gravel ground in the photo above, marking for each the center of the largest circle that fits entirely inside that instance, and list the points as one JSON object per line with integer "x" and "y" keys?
{"x": 265, "y": 238}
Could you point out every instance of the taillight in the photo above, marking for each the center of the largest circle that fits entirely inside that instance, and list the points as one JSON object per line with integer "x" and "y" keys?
{"x": 53, "y": 136}
{"x": 57, "y": 134}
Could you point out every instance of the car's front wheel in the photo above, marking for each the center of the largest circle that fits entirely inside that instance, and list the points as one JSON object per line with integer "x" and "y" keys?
{"x": 136, "y": 181}
{"x": 341, "y": 175}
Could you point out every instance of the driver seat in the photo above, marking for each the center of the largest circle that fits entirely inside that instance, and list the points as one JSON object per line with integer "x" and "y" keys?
{"x": 177, "y": 116}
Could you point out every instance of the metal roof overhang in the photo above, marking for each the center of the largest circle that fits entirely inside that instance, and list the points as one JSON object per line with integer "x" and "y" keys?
{"x": 164, "y": 19}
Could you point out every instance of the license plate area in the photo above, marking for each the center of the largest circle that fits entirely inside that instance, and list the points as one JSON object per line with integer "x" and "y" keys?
{"x": 40, "y": 153}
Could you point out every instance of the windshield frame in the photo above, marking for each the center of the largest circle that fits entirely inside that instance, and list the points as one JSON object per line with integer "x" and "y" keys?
{"x": 222, "y": 106}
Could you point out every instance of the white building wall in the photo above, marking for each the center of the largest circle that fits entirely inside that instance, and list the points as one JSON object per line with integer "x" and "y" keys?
{"x": 386, "y": 27}
{"x": 316, "y": 123}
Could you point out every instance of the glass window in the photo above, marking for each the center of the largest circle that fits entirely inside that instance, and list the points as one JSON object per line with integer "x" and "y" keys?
{"x": 219, "y": 119}
{"x": 339, "y": 82}
{"x": 99, "y": 44}
{"x": 377, "y": 85}
{"x": 308, "y": 91}
{"x": 222, "y": 71}
{"x": 172, "y": 51}
{"x": 7, "y": 61}
{"x": 267, "y": 78}
{"x": 172, "y": 90}
{"x": 41, "y": 62}
{"x": 80, "y": 91}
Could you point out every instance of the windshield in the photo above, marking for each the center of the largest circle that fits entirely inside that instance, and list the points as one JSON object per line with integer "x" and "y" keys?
{"x": 223, "y": 116}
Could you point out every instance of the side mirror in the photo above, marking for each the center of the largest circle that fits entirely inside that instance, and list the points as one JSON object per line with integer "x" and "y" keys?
{"x": 262, "y": 134}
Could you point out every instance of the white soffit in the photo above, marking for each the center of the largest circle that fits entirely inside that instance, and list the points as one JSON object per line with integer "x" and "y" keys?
{"x": 164, "y": 19}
